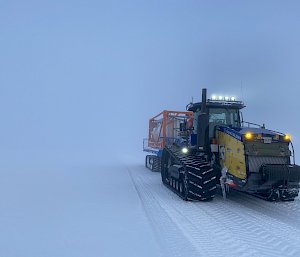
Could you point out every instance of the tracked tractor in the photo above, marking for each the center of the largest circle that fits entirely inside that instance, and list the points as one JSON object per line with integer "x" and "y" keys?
{"x": 210, "y": 145}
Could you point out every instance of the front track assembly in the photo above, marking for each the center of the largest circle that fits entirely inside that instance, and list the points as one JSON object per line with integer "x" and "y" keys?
{"x": 195, "y": 181}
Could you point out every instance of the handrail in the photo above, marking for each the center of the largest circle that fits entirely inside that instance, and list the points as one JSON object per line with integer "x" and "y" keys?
{"x": 255, "y": 124}
{"x": 293, "y": 154}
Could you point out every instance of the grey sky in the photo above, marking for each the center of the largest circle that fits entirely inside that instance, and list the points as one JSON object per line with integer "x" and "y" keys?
{"x": 79, "y": 78}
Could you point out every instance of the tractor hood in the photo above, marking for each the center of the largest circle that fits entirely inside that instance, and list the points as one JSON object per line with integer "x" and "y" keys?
{"x": 248, "y": 134}
{"x": 262, "y": 131}
{"x": 262, "y": 134}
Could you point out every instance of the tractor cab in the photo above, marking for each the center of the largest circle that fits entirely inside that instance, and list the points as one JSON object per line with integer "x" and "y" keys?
{"x": 220, "y": 112}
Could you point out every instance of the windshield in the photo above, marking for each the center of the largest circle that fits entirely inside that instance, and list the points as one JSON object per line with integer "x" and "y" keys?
{"x": 223, "y": 116}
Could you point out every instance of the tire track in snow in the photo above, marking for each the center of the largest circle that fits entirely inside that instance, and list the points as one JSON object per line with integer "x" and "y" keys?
{"x": 169, "y": 237}
{"x": 270, "y": 237}
{"x": 241, "y": 230}
{"x": 287, "y": 212}
{"x": 206, "y": 227}
{"x": 198, "y": 227}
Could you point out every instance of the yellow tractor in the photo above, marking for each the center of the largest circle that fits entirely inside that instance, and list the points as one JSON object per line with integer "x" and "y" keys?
{"x": 220, "y": 148}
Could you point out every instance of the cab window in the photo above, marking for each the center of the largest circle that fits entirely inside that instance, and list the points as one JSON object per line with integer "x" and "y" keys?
{"x": 223, "y": 116}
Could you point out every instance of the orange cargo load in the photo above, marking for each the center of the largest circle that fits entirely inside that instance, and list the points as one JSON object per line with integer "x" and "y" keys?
{"x": 164, "y": 129}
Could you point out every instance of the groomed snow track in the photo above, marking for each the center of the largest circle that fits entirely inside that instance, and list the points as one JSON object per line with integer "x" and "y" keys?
{"x": 242, "y": 225}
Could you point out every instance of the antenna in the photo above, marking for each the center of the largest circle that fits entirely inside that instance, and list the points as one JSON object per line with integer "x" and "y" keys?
{"x": 242, "y": 91}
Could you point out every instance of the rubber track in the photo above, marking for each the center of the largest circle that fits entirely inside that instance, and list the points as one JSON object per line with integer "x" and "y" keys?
{"x": 289, "y": 197}
{"x": 156, "y": 163}
{"x": 200, "y": 177}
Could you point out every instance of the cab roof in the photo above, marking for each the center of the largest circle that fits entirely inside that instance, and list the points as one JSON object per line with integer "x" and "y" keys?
{"x": 216, "y": 104}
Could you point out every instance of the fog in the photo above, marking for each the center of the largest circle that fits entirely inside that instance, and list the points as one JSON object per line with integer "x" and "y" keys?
{"x": 80, "y": 79}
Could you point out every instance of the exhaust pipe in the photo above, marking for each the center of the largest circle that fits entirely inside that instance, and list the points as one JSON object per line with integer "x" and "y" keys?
{"x": 204, "y": 98}
{"x": 202, "y": 125}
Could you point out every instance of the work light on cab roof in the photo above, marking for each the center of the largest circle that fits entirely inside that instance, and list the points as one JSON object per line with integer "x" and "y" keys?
{"x": 222, "y": 98}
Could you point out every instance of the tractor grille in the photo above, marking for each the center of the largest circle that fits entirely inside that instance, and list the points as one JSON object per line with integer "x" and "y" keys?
{"x": 255, "y": 162}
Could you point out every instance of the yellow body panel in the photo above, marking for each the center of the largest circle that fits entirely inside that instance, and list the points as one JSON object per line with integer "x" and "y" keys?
{"x": 232, "y": 155}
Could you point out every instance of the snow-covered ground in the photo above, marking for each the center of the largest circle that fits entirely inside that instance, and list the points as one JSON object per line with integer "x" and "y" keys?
{"x": 126, "y": 211}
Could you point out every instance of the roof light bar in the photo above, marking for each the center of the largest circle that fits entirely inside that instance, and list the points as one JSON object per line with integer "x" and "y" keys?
{"x": 222, "y": 98}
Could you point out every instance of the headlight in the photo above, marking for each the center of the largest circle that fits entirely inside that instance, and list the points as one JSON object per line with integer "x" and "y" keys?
{"x": 248, "y": 136}
{"x": 184, "y": 150}
{"x": 287, "y": 137}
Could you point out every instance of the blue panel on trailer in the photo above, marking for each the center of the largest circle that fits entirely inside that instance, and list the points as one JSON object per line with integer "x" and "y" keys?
{"x": 156, "y": 152}
{"x": 151, "y": 151}
{"x": 159, "y": 154}
{"x": 193, "y": 139}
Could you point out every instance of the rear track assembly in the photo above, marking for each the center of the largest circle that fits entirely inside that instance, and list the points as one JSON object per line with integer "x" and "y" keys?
{"x": 153, "y": 163}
